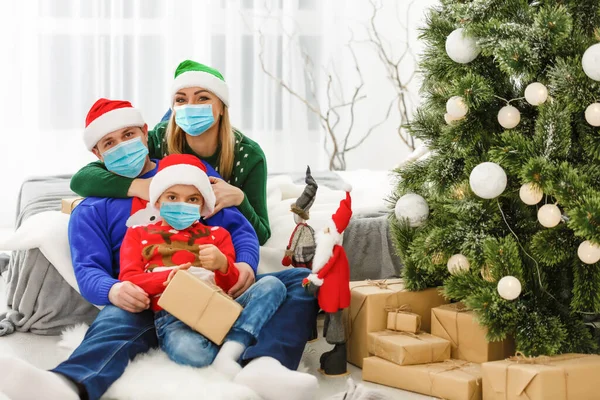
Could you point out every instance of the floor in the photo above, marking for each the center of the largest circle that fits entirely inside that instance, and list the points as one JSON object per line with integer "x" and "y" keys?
{"x": 42, "y": 351}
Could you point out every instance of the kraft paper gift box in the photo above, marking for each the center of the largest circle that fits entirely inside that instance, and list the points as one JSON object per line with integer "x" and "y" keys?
{"x": 68, "y": 205}
{"x": 367, "y": 312}
{"x": 405, "y": 348}
{"x": 456, "y": 324}
{"x": 450, "y": 380}
{"x": 203, "y": 307}
{"x": 402, "y": 320}
{"x": 564, "y": 377}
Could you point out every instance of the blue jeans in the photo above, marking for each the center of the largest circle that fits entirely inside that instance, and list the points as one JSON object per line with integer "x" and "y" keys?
{"x": 285, "y": 335}
{"x": 188, "y": 347}
{"x": 117, "y": 336}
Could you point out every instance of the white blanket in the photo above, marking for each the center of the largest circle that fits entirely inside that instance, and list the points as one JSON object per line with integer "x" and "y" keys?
{"x": 48, "y": 230}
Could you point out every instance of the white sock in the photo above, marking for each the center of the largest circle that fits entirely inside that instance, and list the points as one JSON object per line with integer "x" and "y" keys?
{"x": 272, "y": 381}
{"x": 20, "y": 380}
{"x": 226, "y": 361}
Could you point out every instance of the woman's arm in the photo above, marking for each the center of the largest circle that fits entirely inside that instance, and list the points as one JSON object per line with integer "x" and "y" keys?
{"x": 254, "y": 205}
{"x": 95, "y": 180}
{"x": 132, "y": 265}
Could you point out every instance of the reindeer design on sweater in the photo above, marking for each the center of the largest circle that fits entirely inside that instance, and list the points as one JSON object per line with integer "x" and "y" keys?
{"x": 177, "y": 247}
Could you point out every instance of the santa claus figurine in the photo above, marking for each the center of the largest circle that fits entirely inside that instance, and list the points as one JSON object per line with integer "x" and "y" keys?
{"x": 330, "y": 281}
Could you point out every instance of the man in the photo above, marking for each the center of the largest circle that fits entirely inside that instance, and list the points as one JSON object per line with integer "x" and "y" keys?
{"x": 116, "y": 133}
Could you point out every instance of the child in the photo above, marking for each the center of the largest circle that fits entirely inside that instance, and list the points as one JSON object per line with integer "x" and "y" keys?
{"x": 151, "y": 255}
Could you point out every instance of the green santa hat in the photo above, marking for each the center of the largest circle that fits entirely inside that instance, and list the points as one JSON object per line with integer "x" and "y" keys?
{"x": 191, "y": 74}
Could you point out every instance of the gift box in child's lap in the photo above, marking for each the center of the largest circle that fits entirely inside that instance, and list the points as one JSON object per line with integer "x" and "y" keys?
{"x": 200, "y": 305}
{"x": 368, "y": 311}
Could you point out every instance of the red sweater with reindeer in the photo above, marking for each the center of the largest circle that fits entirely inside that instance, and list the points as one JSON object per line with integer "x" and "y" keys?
{"x": 149, "y": 253}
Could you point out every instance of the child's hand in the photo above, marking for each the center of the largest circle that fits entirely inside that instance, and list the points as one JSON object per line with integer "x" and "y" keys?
{"x": 212, "y": 258}
{"x": 181, "y": 267}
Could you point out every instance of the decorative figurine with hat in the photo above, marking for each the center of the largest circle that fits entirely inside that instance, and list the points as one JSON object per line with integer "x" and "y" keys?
{"x": 301, "y": 247}
{"x": 330, "y": 279}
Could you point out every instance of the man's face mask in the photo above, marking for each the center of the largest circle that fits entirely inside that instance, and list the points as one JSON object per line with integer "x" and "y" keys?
{"x": 126, "y": 159}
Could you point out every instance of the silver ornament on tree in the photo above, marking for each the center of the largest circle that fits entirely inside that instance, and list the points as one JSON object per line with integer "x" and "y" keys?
{"x": 461, "y": 48}
{"x": 509, "y": 117}
{"x": 530, "y": 194}
{"x": 450, "y": 119}
{"x": 588, "y": 252}
{"x": 592, "y": 114}
{"x": 488, "y": 180}
{"x": 591, "y": 62}
{"x": 412, "y": 207}
{"x": 549, "y": 215}
{"x": 456, "y": 107}
{"x": 457, "y": 263}
{"x": 536, "y": 93}
{"x": 509, "y": 287}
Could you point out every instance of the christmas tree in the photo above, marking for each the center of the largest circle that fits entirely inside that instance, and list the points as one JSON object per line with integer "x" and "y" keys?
{"x": 505, "y": 212}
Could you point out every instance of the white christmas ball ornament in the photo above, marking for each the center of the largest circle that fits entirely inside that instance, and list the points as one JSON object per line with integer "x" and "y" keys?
{"x": 588, "y": 252}
{"x": 509, "y": 288}
{"x": 460, "y": 48}
{"x": 458, "y": 262}
{"x": 592, "y": 114}
{"x": 456, "y": 107}
{"x": 590, "y": 62}
{"x": 549, "y": 215}
{"x": 530, "y": 194}
{"x": 450, "y": 119}
{"x": 509, "y": 117}
{"x": 488, "y": 180}
{"x": 412, "y": 207}
{"x": 536, "y": 93}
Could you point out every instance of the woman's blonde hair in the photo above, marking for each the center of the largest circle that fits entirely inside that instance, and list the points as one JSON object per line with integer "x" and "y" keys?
{"x": 176, "y": 142}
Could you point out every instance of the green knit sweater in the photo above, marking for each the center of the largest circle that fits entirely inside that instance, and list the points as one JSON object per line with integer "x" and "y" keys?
{"x": 249, "y": 174}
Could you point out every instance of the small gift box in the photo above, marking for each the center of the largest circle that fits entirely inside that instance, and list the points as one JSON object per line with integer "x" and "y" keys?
{"x": 401, "y": 319}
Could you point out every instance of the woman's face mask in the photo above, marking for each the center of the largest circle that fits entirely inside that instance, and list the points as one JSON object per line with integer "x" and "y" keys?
{"x": 194, "y": 119}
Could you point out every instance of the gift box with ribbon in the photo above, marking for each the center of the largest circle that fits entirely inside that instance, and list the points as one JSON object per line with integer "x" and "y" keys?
{"x": 68, "y": 205}
{"x": 401, "y": 319}
{"x": 450, "y": 380}
{"x": 455, "y": 323}
{"x": 405, "y": 348}
{"x": 563, "y": 377}
{"x": 367, "y": 313}
{"x": 202, "y": 306}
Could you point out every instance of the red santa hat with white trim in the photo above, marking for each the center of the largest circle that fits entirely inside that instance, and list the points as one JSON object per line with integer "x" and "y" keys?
{"x": 107, "y": 116}
{"x": 183, "y": 169}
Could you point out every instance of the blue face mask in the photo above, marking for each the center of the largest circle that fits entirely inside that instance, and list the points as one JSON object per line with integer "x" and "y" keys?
{"x": 180, "y": 215}
{"x": 194, "y": 119}
{"x": 127, "y": 158}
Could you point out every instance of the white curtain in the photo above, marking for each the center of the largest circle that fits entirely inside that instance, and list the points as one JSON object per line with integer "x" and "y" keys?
{"x": 58, "y": 56}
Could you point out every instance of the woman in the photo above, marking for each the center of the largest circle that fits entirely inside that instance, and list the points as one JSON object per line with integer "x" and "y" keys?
{"x": 199, "y": 125}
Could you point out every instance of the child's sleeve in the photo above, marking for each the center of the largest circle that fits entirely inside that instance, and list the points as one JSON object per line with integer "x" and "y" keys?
{"x": 132, "y": 265}
{"x": 226, "y": 280}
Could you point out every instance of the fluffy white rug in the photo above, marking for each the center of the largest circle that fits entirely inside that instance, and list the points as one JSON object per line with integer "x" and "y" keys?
{"x": 152, "y": 376}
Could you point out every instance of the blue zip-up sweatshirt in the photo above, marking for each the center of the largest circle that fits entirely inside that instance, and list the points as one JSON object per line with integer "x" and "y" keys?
{"x": 97, "y": 227}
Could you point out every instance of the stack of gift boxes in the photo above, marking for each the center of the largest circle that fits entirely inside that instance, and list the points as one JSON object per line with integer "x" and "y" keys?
{"x": 415, "y": 341}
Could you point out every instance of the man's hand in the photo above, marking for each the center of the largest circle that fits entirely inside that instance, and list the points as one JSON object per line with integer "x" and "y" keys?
{"x": 181, "y": 267}
{"x": 129, "y": 297}
{"x": 245, "y": 280}
{"x": 212, "y": 258}
{"x": 140, "y": 188}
